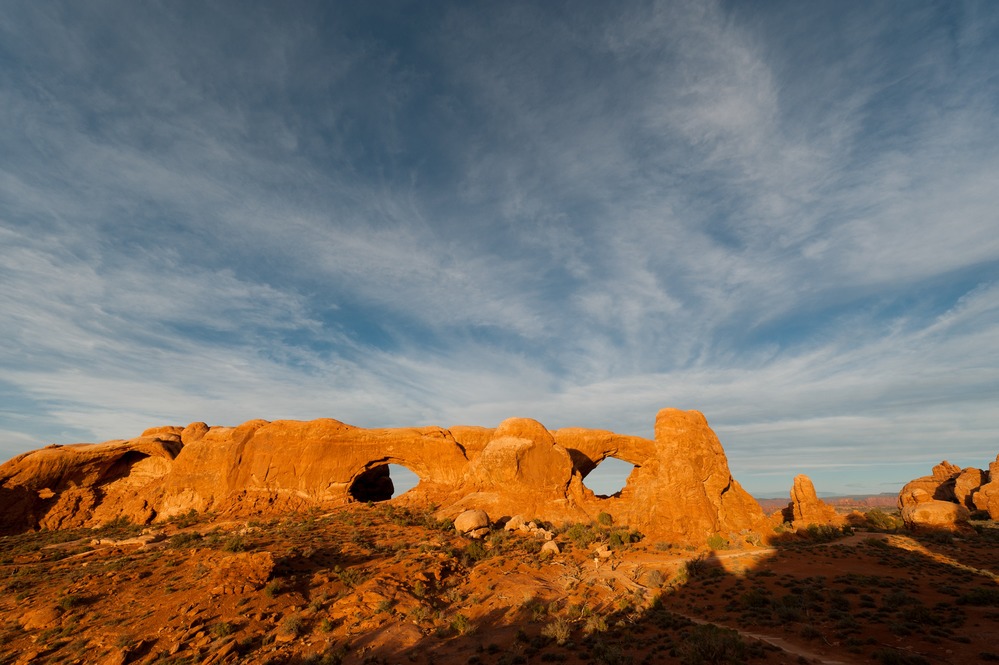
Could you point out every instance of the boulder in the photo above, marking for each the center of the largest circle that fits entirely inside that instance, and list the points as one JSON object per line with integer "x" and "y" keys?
{"x": 550, "y": 548}
{"x": 472, "y": 523}
{"x": 923, "y": 511}
{"x": 515, "y": 523}
{"x": 966, "y": 485}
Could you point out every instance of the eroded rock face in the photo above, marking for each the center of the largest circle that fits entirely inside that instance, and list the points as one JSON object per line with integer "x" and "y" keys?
{"x": 681, "y": 487}
{"x": 939, "y": 485}
{"x": 806, "y": 507}
{"x": 84, "y": 484}
{"x": 987, "y": 496}
{"x": 967, "y": 484}
{"x": 923, "y": 511}
{"x": 970, "y": 489}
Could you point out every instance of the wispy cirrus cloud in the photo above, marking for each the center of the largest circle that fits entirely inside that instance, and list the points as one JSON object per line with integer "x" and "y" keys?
{"x": 782, "y": 216}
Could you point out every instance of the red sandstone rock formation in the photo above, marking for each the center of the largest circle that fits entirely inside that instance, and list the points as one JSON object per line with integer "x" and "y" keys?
{"x": 966, "y": 486}
{"x": 939, "y": 485}
{"x": 987, "y": 497}
{"x": 923, "y": 511}
{"x": 681, "y": 487}
{"x": 806, "y": 507}
{"x": 970, "y": 489}
{"x": 66, "y": 486}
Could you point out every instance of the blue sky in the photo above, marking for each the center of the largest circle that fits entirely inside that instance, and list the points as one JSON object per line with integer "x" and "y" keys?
{"x": 783, "y": 214}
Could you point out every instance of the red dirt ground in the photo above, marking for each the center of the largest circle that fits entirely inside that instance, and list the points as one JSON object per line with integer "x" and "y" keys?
{"x": 382, "y": 584}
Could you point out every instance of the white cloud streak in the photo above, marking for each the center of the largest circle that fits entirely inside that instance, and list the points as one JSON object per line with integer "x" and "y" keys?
{"x": 598, "y": 216}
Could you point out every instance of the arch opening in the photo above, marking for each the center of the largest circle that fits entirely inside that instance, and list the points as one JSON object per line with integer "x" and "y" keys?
{"x": 608, "y": 478}
{"x": 383, "y": 482}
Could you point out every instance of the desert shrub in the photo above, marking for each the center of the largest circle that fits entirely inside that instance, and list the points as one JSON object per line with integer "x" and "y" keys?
{"x": 222, "y": 629}
{"x": 938, "y": 537}
{"x": 499, "y": 539}
{"x": 717, "y": 542}
{"x": 581, "y": 535}
{"x": 185, "y": 540}
{"x": 810, "y": 632}
{"x": 980, "y": 596}
{"x": 558, "y": 630}
{"x": 755, "y": 597}
{"x": 595, "y": 624}
{"x": 334, "y": 655}
{"x": 889, "y": 656}
{"x": 461, "y": 624}
{"x": 68, "y": 602}
{"x": 879, "y": 520}
{"x": 349, "y": 576}
{"x": 419, "y": 613}
{"x": 293, "y": 625}
{"x": 820, "y": 533}
{"x": 235, "y": 544}
{"x": 273, "y": 588}
{"x": 605, "y": 519}
{"x": 655, "y": 578}
{"x": 693, "y": 569}
{"x": 615, "y": 540}
{"x": 474, "y": 552}
{"x": 897, "y": 599}
{"x": 419, "y": 589}
{"x": 789, "y": 608}
{"x": 710, "y": 644}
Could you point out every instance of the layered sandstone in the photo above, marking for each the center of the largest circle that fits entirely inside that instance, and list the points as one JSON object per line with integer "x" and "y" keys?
{"x": 681, "y": 487}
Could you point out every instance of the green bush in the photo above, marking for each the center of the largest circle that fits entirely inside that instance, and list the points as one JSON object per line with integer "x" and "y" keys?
{"x": 461, "y": 624}
{"x": 717, "y": 542}
{"x": 581, "y": 535}
{"x": 185, "y": 540}
{"x": 879, "y": 520}
{"x": 605, "y": 519}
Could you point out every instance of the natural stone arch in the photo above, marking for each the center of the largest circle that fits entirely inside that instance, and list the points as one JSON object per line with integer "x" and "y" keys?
{"x": 374, "y": 482}
{"x": 588, "y": 448}
{"x": 599, "y": 473}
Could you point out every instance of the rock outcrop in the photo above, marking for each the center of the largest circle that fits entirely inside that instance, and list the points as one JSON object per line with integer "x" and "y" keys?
{"x": 987, "y": 496}
{"x": 969, "y": 489}
{"x": 681, "y": 487}
{"x": 806, "y": 507}
{"x": 923, "y": 511}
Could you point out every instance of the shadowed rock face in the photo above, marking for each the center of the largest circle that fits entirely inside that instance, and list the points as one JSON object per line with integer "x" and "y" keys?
{"x": 681, "y": 487}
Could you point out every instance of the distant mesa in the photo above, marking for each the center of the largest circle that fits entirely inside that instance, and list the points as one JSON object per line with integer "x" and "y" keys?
{"x": 681, "y": 488}
{"x": 950, "y": 496}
